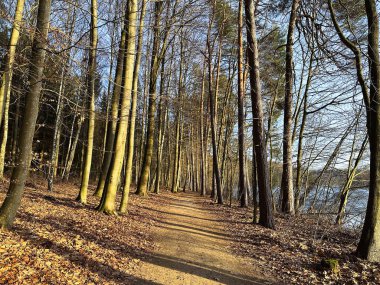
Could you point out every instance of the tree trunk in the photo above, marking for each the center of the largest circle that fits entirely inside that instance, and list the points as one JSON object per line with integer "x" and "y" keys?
{"x": 155, "y": 63}
{"x": 203, "y": 156}
{"x": 369, "y": 245}
{"x": 287, "y": 203}
{"x": 351, "y": 173}
{"x": 213, "y": 101}
{"x": 265, "y": 204}
{"x": 161, "y": 131}
{"x": 301, "y": 135}
{"x": 132, "y": 121}
{"x": 20, "y": 172}
{"x": 16, "y": 130}
{"x": 117, "y": 89}
{"x": 6, "y": 77}
{"x": 241, "y": 112}
{"x": 178, "y": 129}
{"x": 71, "y": 154}
{"x": 4, "y": 139}
{"x": 56, "y": 137}
{"x": 107, "y": 204}
{"x": 86, "y": 169}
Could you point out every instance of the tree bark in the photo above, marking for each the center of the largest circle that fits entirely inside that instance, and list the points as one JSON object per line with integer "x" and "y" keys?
{"x": 56, "y": 137}
{"x": 203, "y": 155}
{"x": 71, "y": 154}
{"x": 212, "y": 103}
{"x": 4, "y": 139}
{"x": 155, "y": 63}
{"x": 111, "y": 133}
{"x": 86, "y": 171}
{"x": 6, "y": 77}
{"x": 161, "y": 131}
{"x": 12, "y": 201}
{"x": 265, "y": 204}
{"x": 287, "y": 203}
{"x": 107, "y": 203}
{"x": 369, "y": 244}
{"x": 241, "y": 112}
{"x": 132, "y": 120}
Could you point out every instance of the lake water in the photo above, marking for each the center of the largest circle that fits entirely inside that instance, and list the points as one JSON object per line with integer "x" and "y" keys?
{"x": 327, "y": 202}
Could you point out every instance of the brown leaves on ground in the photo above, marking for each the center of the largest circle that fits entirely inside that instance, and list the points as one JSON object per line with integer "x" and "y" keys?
{"x": 293, "y": 252}
{"x": 56, "y": 240}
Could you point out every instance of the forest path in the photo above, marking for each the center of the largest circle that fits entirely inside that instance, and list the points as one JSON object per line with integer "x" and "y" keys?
{"x": 193, "y": 248}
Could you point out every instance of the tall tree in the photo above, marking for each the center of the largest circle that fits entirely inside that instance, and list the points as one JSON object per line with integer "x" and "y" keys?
{"x": 12, "y": 201}
{"x": 287, "y": 195}
{"x": 6, "y": 76}
{"x": 178, "y": 123}
{"x": 241, "y": 112}
{"x": 155, "y": 65}
{"x": 111, "y": 133}
{"x": 265, "y": 199}
{"x": 107, "y": 203}
{"x": 132, "y": 120}
{"x": 202, "y": 138}
{"x": 82, "y": 197}
{"x": 6, "y": 80}
{"x": 369, "y": 244}
{"x": 216, "y": 180}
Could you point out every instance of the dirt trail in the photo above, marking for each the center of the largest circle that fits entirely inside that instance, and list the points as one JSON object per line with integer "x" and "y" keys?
{"x": 193, "y": 248}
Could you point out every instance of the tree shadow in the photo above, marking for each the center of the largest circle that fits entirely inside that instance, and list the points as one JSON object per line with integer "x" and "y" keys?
{"x": 59, "y": 201}
{"x": 102, "y": 269}
{"x": 182, "y": 230}
{"x": 196, "y": 230}
{"x": 184, "y": 215}
{"x": 188, "y": 207}
{"x": 175, "y": 263}
{"x": 199, "y": 269}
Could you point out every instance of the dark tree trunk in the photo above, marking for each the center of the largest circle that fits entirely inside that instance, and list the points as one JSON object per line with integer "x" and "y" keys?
{"x": 287, "y": 203}
{"x": 241, "y": 113}
{"x": 19, "y": 174}
{"x": 369, "y": 245}
{"x": 265, "y": 203}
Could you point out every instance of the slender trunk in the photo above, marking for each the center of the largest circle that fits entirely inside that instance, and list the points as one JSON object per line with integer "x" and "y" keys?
{"x": 155, "y": 63}
{"x": 350, "y": 179}
{"x": 287, "y": 203}
{"x": 86, "y": 169}
{"x": 107, "y": 203}
{"x": 56, "y": 137}
{"x": 254, "y": 189}
{"x": 301, "y": 135}
{"x": 213, "y": 103}
{"x": 4, "y": 139}
{"x": 107, "y": 123}
{"x": 132, "y": 121}
{"x": 266, "y": 216}
{"x": 112, "y": 124}
{"x": 12, "y": 201}
{"x": 201, "y": 136}
{"x": 71, "y": 154}
{"x": 16, "y": 130}
{"x": 369, "y": 245}
{"x": 241, "y": 112}
{"x": 6, "y": 76}
{"x": 177, "y": 144}
{"x": 161, "y": 131}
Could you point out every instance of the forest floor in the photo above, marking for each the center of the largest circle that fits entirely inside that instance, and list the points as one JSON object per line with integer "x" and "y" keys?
{"x": 168, "y": 239}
